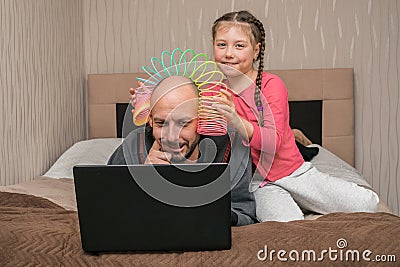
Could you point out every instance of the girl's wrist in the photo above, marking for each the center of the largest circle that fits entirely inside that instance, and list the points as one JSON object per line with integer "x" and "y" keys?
{"x": 246, "y": 129}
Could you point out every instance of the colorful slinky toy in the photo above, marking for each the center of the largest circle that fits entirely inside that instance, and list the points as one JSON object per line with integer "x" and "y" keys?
{"x": 198, "y": 68}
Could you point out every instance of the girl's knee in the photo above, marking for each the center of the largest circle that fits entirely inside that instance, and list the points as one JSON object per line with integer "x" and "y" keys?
{"x": 364, "y": 200}
{"x": 371, "y": 201}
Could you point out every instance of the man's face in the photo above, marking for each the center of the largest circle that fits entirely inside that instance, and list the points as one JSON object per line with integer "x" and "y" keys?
{"x": 174, "y": 122}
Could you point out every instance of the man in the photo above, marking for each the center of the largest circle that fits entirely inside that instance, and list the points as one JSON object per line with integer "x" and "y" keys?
{"x": 171, "y": 137}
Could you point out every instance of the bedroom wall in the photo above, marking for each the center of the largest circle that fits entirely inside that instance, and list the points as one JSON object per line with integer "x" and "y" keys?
{"x": 122, "y": 35}
{"x": 41, "y": 83}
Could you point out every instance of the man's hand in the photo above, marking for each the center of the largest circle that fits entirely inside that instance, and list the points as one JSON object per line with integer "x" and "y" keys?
{"x": 157, "y": 156}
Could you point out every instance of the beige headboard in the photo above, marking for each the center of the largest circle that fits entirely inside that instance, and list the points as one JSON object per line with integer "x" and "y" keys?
{"x": 333, "y": 86}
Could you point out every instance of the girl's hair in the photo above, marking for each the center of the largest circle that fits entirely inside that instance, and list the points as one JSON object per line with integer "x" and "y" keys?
{"x": 257, "y": 35}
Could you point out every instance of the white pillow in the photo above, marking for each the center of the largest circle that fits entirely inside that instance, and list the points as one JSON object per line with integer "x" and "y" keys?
{"x": 88, "y": 152}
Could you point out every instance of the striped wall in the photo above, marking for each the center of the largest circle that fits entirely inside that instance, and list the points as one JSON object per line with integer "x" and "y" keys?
{"x": 41, "y": 84}
{"x": 122, "y": 35}
{"x": 48, "y": 46}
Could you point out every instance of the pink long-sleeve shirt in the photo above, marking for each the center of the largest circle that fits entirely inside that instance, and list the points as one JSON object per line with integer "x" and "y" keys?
{"x": 273, "y": 147}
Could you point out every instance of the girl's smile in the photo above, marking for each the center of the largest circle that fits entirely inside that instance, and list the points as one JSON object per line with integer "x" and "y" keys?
{"x": 233, "y": 48}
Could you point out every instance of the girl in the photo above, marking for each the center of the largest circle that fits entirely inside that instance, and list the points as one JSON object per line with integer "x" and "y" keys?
{"x": 260, "y": 113}
{"x": 257, "y": 106}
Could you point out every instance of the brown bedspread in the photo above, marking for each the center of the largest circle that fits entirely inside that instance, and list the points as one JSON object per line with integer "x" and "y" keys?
{"x": 37, "y": 232}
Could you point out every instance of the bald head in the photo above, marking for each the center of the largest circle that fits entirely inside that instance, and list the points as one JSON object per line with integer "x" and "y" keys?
{"x": 174, "y": 86}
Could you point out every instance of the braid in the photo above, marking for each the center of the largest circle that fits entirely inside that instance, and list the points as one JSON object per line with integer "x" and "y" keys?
{"x": 258, "y": 36}
{"x": 260, "y": 57}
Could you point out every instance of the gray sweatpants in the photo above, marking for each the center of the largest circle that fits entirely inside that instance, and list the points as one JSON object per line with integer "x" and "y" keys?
{"x": 308, "y": 188}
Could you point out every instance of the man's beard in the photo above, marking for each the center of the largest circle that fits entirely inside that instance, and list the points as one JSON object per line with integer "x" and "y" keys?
{"x": 179, "y": 158}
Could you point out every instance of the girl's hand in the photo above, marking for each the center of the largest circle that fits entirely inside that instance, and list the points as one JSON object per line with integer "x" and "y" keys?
{"x": 227, "y": 108}
{"x": 132, "y": 96}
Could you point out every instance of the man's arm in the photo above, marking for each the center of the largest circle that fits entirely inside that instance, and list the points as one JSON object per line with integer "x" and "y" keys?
{"x": 130, "y": 151}
{"x": 117, "y": 158}
{"x": 243, "y": 202}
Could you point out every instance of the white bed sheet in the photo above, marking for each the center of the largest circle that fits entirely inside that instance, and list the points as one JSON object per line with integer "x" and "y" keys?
{"x": 97, "y": 152}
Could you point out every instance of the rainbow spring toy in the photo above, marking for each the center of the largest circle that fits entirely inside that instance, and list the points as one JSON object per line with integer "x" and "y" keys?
{"x": 199, "y": 69}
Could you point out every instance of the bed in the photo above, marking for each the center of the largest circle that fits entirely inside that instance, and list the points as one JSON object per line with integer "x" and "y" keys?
{"x": 39, "y": 222}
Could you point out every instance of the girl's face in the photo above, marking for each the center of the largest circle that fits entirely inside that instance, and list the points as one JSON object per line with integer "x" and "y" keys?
{"x": 233, "y": 47}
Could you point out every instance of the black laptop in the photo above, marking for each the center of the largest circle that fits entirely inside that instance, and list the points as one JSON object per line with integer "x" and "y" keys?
{"x": 154, "y": 207}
